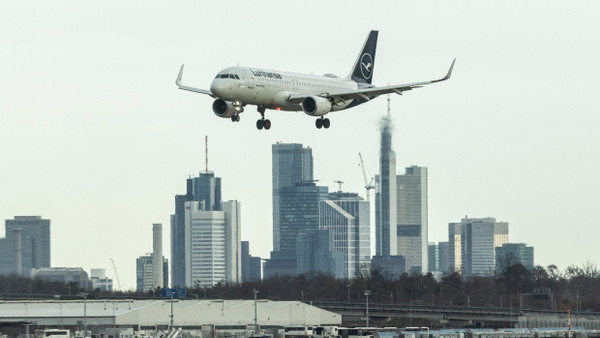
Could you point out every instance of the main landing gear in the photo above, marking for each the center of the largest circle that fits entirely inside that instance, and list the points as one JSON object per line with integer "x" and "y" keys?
{"x": 322, "y": 123}
{"x": 235, "y": 118}
{"x": 262, "y": 122}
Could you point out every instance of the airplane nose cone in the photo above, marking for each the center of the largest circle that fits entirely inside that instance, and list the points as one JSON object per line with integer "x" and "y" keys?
{"x": 217, "y": 88}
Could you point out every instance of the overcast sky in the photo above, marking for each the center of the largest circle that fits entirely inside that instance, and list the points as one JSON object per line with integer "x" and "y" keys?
{"x": 95, "y": 136}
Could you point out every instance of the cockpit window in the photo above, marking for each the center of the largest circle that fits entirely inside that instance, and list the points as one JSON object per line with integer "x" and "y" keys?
{"x": 227, "y": 76}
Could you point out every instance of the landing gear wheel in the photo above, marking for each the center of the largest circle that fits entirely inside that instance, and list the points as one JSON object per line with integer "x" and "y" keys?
{"x": 237, "y": 118}
{"x": 326, "y": 123}
{"x": 267, "y": 124}
{"x": 319, "y": 123}
{"x": 260, "y": 124}
{"x": 233, "y": 118}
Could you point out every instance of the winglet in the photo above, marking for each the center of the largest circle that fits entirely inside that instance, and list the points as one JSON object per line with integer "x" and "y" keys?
{"x": 449, "y": 73}
{"x": 178, "y": 81}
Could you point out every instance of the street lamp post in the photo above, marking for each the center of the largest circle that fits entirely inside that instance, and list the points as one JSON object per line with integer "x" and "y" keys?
{"x": 255, "y": 313}
{"x": 367, "y": 293}
{"x": 84, "y": 295}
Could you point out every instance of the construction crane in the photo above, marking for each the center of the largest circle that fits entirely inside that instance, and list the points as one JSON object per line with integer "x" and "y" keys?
{"x": 116, "y": 274}
{"x": 339, "y": 184}
{"x": 368, "y": 185}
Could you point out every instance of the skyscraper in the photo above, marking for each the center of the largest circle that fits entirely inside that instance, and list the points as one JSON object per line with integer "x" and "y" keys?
{"x": 444, "y": 256}
{"x": 299, "y": 212}
{"x": 206, "y": 188}
{"x": 455, "y": 246}
{"x": 212, "y": 244}
{"x": 480, "y": 238}
{"x": 385, "y": 195}
{"x": 26, "y": 245}
{"x": 292, "y": 163}
{"x": 347, "y": 216}
{"x": 412, "y": 211}
{"x": 315, "y": 253}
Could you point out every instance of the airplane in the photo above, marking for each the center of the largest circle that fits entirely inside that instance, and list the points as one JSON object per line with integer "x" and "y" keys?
{"x": 235, "y": 87}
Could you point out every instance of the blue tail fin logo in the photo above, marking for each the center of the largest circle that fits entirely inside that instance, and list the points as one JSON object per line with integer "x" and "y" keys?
{"x": 365, "y": 63}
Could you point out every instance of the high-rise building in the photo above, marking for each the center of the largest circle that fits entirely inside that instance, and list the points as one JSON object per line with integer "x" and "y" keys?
{"x": 292, "y": 163}
{"x": 411, "y": 211}
{"x": 212, "y": 244}
{"x": 385, "y": 195}
{"x": 480, "y": 238}
{"x": 299, "y": 208}
{"x": 392, "y": 266}
{"x": 251, "y": 266}
{"x": 144, "y": 268}
{"x": 455, "y": 246}
{"x": 512, "y": 253}
{"x": 315, "y": 253}
{"x": 347, "y": 216}
{"x": 444, "y": 256}
{"x": 26, "y": 245}
{"x": 299, "y": 211}
{"x": 434, "y": 257}
{"x": 206, "y": 188}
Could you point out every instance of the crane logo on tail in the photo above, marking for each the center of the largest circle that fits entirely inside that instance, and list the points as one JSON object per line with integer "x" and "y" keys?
{"x": 366, "y": 65}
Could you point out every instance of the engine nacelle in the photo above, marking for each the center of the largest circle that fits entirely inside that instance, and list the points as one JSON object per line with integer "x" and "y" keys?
{"x": 224, "y": 109}
{"x": 316, "y": 106}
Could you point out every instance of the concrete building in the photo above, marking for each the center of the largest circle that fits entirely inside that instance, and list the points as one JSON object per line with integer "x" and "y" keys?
{"x": 348, "y": 217}
{"x": 158, "y": 281}
{"x": 512, "y": 253}
{"x": 292, "y": 163}
{"x": 206, "y": 188}
{"x": 480, "y": 238}
{"x": 144, "y": 267}
{"x": 26, "y": 245}
{"x": 100, "y": 281}
{"x": 412, "y": 224}
{"x": 65, "y": 275}
{"x": 212, "y": 244}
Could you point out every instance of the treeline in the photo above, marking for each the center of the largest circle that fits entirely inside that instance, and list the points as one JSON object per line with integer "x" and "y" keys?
{"x": 575, "y": 288}
{"x": 539, "y": 288}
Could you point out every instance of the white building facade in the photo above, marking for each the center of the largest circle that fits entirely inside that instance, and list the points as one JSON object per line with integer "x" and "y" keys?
{"x": 348, "y": 219}
{"x": 212, "y": 244}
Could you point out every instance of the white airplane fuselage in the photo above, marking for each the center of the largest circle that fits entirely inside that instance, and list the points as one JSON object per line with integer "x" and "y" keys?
{"x": 270, "y": 89}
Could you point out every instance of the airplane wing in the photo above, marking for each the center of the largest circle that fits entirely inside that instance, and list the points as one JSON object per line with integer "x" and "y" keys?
{"x": 191, "y": 89}
{"x": 371, "y": 92}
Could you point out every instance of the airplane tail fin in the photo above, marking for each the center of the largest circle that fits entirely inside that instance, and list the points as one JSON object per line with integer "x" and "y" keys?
{"x": 365, "y": 63}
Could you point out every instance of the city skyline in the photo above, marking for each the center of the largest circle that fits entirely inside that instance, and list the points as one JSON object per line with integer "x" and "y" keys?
{"x": 96, "y": 137}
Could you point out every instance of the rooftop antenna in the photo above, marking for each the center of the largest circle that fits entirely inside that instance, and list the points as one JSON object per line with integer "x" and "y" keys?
{"x": 206, "y": 149}
{"x": 339, "y": 184}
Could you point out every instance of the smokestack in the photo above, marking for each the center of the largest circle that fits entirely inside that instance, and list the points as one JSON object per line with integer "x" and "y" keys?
{"x": 18, "y": 251}
{"x": 157, "y": 256}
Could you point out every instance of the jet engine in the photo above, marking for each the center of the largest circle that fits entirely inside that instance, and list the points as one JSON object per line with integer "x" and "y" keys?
{"x": 225, "y": 109}
{"x": 316, "y": 106}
